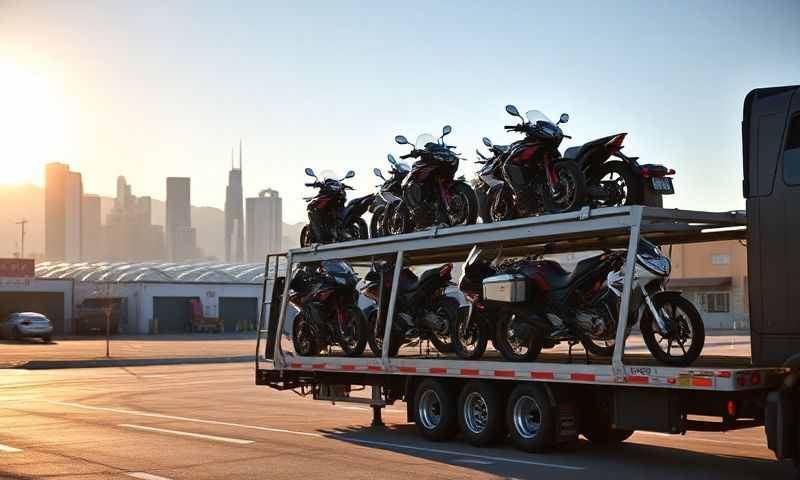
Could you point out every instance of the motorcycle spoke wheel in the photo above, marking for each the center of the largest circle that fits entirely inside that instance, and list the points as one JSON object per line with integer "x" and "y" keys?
{"x": 457, "y": 213}
{"x": 682, "y": 340}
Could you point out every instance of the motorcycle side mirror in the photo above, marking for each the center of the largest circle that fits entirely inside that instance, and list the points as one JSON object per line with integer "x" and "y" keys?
{"x": 564, "y": 118}
{"x": 512, "y": 110}
{"x": 487, "y": 142}
{"x": 446, "y": 130}
{"x": 350, "y": 174}
{"x": 378, "y": 173}
{"x": 401, "y": 140}
{"x": 391, "y": 159}
{"x": 310, "y": 173}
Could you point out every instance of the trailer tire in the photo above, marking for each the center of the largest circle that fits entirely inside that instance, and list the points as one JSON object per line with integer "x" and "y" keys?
{"x": 481, "y": 414}
{"x": 435, "y": 411}
{"x": 531, "y": 418}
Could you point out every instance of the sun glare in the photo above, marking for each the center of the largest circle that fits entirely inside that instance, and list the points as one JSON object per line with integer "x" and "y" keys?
{"x": 32, "y": 124}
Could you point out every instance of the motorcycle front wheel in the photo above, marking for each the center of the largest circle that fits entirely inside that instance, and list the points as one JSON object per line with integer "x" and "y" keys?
{"x": 516, "y": 339}
{"x": 398, "y": 220}
{"x": 501, "y": 205}
{"x": 683, "y": 342}
{"x": 306, "y": 236}
{"x": 305, "y": 337}
{"x": 358, "y": 229}
{"x": 375, "y": 333}
{"x": 376, "y": 223}
{"x": 469, "y": 341}
{"x": 463, "y": 205}
{"x": 570, "y": 191}
{"x": 353, "y": 333}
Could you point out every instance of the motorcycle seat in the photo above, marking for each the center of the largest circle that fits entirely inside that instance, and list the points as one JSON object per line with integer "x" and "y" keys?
{"x": 571, "y": 153}
{"x": 554, "y": 274}
{"x": 412, "y": 284}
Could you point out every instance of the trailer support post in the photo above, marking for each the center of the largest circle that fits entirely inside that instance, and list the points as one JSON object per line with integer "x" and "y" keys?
{"x": 377, "y": 405}
{"x": 624, "y": 309}
{"x": 282, "y": 317}
{"x": 387, "y": 332}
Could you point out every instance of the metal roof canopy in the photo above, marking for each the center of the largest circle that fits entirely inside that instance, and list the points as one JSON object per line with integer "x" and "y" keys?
{"x": 587, "y": 229}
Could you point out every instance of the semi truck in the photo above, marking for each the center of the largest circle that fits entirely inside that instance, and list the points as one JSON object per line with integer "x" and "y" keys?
{"x": 547, "y": 403}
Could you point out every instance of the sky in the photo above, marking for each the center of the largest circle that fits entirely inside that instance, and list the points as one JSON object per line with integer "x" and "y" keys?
{"x": 151, "y": 89}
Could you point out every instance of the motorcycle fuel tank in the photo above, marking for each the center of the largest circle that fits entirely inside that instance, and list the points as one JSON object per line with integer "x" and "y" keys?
{"x": 508, "y": 287}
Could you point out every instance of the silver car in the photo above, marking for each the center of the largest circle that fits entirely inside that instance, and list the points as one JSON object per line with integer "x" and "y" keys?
{"x": 26, "y": 324}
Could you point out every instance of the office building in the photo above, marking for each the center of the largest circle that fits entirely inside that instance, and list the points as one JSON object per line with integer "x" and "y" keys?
{"x": 91, "y": 228}
{"x": 181, "y": 238}
{"x": 234, "y": 216}
{"x": 129, "y": 232}
{"x": 264, "y": 225}
{"x": 62, "y": 210}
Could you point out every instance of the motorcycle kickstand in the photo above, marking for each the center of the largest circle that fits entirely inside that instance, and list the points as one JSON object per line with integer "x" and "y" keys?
{"x": 569, "y": 351}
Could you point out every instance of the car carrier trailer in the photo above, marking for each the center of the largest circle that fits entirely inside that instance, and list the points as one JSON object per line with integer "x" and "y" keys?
{"x": 549, "y": 402}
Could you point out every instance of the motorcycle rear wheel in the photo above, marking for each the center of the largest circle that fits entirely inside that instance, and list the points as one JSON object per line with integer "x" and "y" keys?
{"x": 375, "y": 335}
{"x": 511, "y": 346}
{"x": 353, "y": 335}
{"x": 571, "y": 186}
{"x": 306, "y": 236}
{"x": 449, "y": 307}
{"x": 630, "y": 187}
{"x": 469, "y": 344}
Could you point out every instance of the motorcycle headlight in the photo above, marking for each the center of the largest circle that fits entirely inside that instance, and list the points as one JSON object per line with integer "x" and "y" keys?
{"x": 658, "y": 264}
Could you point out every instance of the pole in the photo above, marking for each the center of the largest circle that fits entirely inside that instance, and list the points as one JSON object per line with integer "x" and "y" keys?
{"x": 21, "y": 224}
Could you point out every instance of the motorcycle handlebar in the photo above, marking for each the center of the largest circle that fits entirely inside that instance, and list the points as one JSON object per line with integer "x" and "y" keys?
{"x": 408, "y": 155}
{"x": 568, "y": 136}
{"x": 311, "y": 184}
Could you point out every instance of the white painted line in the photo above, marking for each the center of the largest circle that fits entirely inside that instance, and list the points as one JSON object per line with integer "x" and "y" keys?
{"x": 7, "y": 449}
{"x": 701, "y": 439}
{"x": 146, "y": 476}
{"x": 472, "y": 461}
{"x": 318, "y": 435}
{"x": 237, "y": 441}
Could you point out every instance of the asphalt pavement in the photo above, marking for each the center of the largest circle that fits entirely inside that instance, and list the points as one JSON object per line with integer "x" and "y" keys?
{"x": 211, "y": 421}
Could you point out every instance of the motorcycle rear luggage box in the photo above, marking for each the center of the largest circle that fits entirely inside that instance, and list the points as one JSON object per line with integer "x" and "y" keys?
{"x": 508, "y": 287}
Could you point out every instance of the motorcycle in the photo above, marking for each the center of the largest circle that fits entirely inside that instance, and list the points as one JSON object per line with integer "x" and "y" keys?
{"x": 489, "y": 175}
{"x": 390, "y": 191}
{"x": 536, "y": 178}
{"x": 622, "y": 181}
{"x": 422, "y": 311}
{"x": 430, "y": 193}
{"x": 330, "y": 220}
{"x": 537, "y": 304}
{"x": 327, "y": 300}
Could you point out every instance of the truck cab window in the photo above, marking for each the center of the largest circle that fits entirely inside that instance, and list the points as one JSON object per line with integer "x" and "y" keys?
{"x": 791, "y": 153}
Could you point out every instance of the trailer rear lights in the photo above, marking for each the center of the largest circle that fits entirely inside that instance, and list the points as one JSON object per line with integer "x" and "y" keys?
{"x": 702, "y": 382}
{"x": 755, "y": 379}
{"x": 741, "y": 380}
{"x": 731, "y": 408}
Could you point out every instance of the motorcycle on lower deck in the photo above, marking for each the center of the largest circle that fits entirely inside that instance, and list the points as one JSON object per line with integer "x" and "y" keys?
{"x": 330, "y": 220}
{"x": 389, "y": 192}
{"x": 431, "y": 195}
{"x": 526, "y": 305}
{"x": 422, "y": 310}
{"x": 326, "y": 298}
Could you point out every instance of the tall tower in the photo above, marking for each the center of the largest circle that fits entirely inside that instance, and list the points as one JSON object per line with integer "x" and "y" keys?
{"x": 181, "y": 238}
{"x": 62, "y": 210}
{"x": 234, "y": 213}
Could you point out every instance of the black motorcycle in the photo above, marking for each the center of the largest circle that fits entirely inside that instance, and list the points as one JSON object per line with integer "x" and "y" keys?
{"x": 330, "y": 220}
{"x": 327, "y": 300}
{"x": 536, "y": 178}
{"x": 390, "y": 191}
{"x": 489, "y": 175}
{"x": 623, "y": 181}
{"x": 422, "y": 310}
{"x": 431, "y": 193}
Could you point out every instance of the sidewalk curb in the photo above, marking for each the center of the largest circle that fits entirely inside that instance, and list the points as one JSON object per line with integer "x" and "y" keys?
{"x": 129, "y": 362}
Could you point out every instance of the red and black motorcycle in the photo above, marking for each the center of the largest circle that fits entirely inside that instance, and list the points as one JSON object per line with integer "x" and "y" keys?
{"x": 326, "y": 297}
{"x": 330, "y": 220}
{"x": 431, "y": 193}
{"x": 423, "y": 311}
{"x": 623, "y": 180}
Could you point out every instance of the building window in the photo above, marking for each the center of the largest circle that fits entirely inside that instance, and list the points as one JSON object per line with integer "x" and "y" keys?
{"x": 720, "y": 259}
{"x": 791, "y": 153}
{"x": 716, "y": 302}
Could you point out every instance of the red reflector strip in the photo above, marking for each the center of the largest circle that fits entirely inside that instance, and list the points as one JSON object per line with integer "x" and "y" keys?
{"x": 374, "y": 368}
{"x": 582, "y": 377}
{"x": 297, "y": 365}
{"x": 543, "y": 375}
{"x": 724, "y": 374}
{"x": 438, "y": 370}
{"x": 671, "y": 381}
{"x": 408, "y": 369}
{"x": 318, "y": 365}
{"x": 470, "y": 371}
{"x": 637, "y": 379}
{"x": 504, "y": 373}
{"x": 702, "y": 382}
{"x": 348, "y": 367}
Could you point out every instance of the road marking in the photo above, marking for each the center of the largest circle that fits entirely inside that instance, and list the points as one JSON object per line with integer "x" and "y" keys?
{"x": 473, "y": 461}
{"x": 318, "y": 435}
{"x": 146, "y": 476}
{"x": 237, "y": 441}
{"x": 701, "y": 439}
{"x": 7, "y": 449}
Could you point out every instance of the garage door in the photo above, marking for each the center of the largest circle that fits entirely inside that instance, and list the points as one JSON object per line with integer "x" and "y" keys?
{"x": 51, "y": 304}
{"x": 238, "y": 313}
{"x": 173, "y": 313}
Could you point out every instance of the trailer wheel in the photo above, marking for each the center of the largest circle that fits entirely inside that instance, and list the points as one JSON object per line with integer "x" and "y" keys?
{"x": 435, "y": 411}
{"x": 481, "y": 414}
{"x": 530, "y": 419}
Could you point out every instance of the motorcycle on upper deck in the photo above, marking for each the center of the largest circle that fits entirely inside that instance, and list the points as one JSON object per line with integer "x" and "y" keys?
{"x": 536, "y": 178}
{"x": 389, "y": 192}
{"x": 329, "y": 219}
{"x": 431, "y": 195}
{"x": 489, "y": 175}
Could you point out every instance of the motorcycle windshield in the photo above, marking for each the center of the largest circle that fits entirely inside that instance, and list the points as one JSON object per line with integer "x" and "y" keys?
{"x": 403, "y": 167}
{"x": 337, "y": 268}
{"x": 473, "y": 256}
{"x": 534, "y": 116}
{"x": 424, "y": 139}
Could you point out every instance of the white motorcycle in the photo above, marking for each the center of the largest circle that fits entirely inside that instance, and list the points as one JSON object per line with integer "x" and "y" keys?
{"x": 670, "y": 324}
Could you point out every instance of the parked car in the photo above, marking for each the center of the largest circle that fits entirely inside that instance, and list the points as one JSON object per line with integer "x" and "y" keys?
{"x": 26, "y": 324}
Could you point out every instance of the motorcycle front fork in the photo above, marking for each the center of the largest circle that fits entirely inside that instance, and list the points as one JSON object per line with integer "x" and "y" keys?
{"x": 662, "y": 325}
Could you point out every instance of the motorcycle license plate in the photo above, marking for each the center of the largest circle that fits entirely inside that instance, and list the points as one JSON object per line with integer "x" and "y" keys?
{"x": 662, "y": 185}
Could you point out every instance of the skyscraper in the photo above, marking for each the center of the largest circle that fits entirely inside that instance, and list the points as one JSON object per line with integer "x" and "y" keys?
{"x": 234, "y": 216}
{"x": 129, "y": 232}
{"x": 180, "y": 236}
{"x": 264, "y": 225}
{"x": 91, "y": 229}
{"x": 62, "y": 211}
